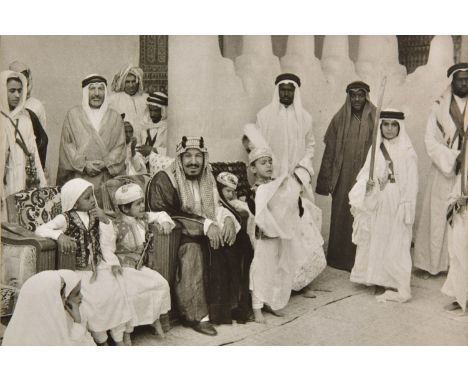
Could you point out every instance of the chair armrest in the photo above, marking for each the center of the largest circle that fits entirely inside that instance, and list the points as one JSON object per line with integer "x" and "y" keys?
{"x": 14, "y": 234}
{"x": 66, "y": 261}
{"x": 162, "y": 255}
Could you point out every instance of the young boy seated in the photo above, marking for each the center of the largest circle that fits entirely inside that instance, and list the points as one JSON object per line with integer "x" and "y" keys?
{"x": 147, "y": 290}
{"x": 83, "y": 231}
{"x": 227, "y": 186}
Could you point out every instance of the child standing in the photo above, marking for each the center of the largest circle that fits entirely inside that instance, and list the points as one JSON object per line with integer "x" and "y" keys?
{"x": 83, "y": 231}
{"x": 384, "y": 209}
{"x": 261, "y": 166}
{"x": 288, "y": 253}
{"x": 147, "y": 290}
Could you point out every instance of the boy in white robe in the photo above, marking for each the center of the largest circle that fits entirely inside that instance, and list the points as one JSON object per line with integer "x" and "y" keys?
{"x": 383, "y": 209}
{"x": 83, "y": 231}
{"x": 147, "y": 290}
{"x": 288, "y": 252}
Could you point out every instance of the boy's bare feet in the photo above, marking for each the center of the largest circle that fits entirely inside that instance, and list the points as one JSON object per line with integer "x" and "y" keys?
{"x": 378, "y": 290}
{"x": 309, "y": 293}
{"x": 452, "y": 306}
{"x": 127, "y": 340}
{"x": 158, "y": 330}
{"x": 422, "y": 274}
{"x": 276, "y": 313}
{"x": 259, "y": 316}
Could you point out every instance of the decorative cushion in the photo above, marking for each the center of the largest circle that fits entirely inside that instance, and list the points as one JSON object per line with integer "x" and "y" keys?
{"x": 18, "y": 264}
{"x": 37, "y": 206}
{"x": 239, "y": 169}
{"x": 8, "y": 297}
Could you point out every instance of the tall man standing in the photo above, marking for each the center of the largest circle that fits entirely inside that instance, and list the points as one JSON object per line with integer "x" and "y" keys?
{"x": 347, "y": 141}
{"x": 92, "y": 145}
{"x": 36, "y": 111}
{"x": 212, "y": 272}
{"x": 129, "y": 98}
{"x": 286, "y": 127}
{"x": 445, "y": 132}
{"x": 154, "y": 126}
{"x": 22, "y": 167}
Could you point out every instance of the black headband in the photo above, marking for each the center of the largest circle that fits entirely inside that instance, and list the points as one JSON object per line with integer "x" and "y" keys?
{"x": 459, "y": 66}
{"x": 157, "y": 98}
{"x": 358, "y": 85}
{"x": 392, "y": 115}
{"x": 288, "y": 76}
{"x": 92, "y": 79}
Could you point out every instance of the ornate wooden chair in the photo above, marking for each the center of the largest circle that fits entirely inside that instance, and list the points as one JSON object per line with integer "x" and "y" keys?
{"x": 23, "y": 252}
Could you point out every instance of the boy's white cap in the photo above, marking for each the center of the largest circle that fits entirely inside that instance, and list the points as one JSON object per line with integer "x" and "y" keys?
{"x": 228, "y": 179}
{"x": 258, "y": 153}
{"x": 128, "y": 193}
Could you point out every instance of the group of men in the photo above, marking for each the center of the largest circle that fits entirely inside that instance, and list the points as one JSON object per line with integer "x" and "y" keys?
{"x": 93, "y": 140}
{"x": 212, "y": 282}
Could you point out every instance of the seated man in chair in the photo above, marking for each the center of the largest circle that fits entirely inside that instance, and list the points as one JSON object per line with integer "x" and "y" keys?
{"x": 210, "y": 282}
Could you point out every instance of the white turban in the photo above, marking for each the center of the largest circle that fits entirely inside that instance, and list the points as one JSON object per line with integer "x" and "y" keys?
{"x": 128, "y": 193}
{"x": 228, "y": 179}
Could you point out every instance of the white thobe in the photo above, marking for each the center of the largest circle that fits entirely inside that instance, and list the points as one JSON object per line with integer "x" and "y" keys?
{"x": 430, "y": 252}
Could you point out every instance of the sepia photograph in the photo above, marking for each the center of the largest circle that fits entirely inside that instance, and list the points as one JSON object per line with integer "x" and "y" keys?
{"x": 252, "y": 189}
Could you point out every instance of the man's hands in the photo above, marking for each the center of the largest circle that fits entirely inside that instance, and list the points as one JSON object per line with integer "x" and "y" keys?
{"x": 145, "y": 150}
{"x": 218, "y": 238}
{"x": 94, "y": 167}
{"x": 215, "y": 236}
{"x": 229, "y": 231}
{"x": 66, "y": 244}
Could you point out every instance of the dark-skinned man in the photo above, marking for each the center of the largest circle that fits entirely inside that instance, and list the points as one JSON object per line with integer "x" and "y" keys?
{"x": 347, "y": 141}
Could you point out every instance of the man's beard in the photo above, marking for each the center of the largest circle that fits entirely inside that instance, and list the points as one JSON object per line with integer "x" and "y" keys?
{"x": 193, "y": 177}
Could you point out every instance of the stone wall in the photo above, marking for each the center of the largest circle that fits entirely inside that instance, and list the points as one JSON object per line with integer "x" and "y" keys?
{"x": 217, "y": 96}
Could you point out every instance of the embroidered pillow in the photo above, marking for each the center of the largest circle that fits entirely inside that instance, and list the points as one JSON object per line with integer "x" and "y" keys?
{"x": 37, "y": 206}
